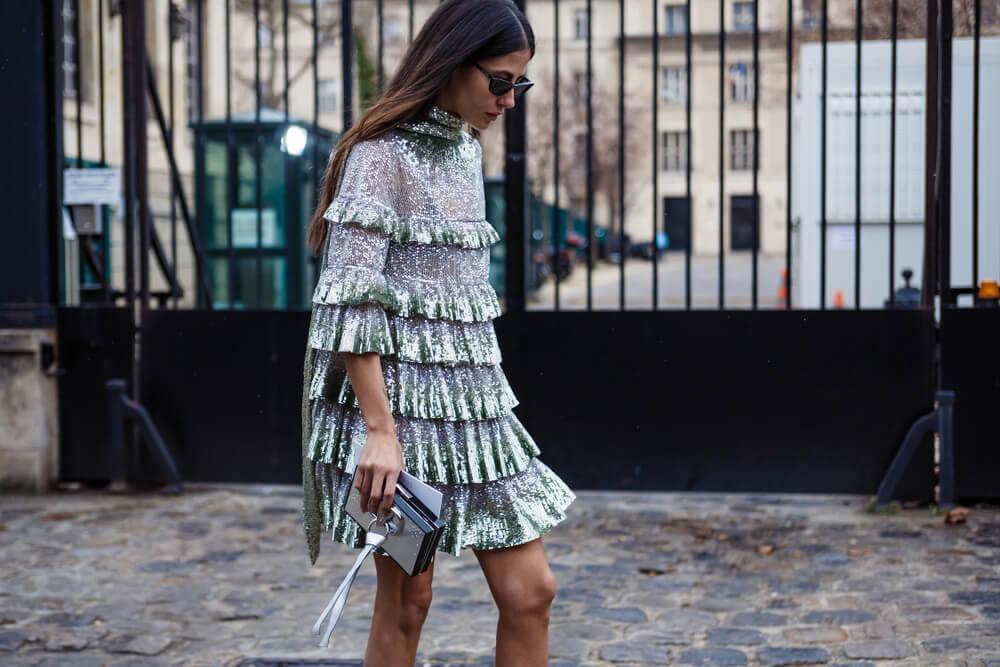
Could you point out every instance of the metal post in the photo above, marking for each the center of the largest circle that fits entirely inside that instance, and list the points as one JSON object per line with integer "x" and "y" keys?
{"x": 929, "y": 272}
{"x": 347, "y": 62}
{"x": 135, "y": 165}
{"x": 516, "y": 196}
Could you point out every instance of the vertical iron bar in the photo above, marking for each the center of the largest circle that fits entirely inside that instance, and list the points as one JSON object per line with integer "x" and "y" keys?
{"x": 656, "y": 140}
{"x": 136, "y": 184}
{"x": 410, "y": 3}
{"x": 315, "y": 118}
{"x": 77, "y": 83}
{"x": 756, "y": 152}
{"x": 232, "y": 164}
{"x": 284, "y": 62}
{"x": 944, "y": 157}
{"x": 288, "y": 183}
{"x": 200, "y": 205}
{"x": 258, "y": 255}
{"x": 929, "y": 281}
{"x": 130, "y": 132}
{"x": 55, "y": 124}
{"x": 621, "y": 154}
{"x": 516, "y": 211}
{"x": 892, "y": 157}
{"x": 722, "y": 152}
{"x": 100, "y": 83}
{"x": 977, "y": 19}
{"x": 380, "y": 12}
{"x": 102, "y": 135}
{"x": 590, "y": 157}
{"x": 822, "y": 162}
{"x": 347, "y": 63}
{"x": 557, "y": 217}
{"x": 170, "y": 126}
{"x": 857, "y": 153}
{"x": 789, "y": 37}
{"x": 687, "y": 155}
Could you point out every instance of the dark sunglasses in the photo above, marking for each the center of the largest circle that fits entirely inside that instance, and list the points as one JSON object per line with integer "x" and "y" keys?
{"x": 499, "y": 86}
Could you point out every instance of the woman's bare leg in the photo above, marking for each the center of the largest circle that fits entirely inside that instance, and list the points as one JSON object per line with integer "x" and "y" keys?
{"x": 523, "y": 588}
{"x": 401, "y": 606}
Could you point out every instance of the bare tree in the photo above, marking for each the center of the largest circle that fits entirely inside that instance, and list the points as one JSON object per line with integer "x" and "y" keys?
{"x": 911, "y": 18}
{"x": 271, "y": 18}
{"x": 572, "y": 131}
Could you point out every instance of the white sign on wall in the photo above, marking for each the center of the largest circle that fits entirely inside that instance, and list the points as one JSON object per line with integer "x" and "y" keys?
{"x": 92, "y": 186}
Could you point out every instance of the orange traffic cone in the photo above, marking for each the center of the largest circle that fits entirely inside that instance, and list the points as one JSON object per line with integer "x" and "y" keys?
{"x": 838, "y": 299}
{"x": 783, "y": 289}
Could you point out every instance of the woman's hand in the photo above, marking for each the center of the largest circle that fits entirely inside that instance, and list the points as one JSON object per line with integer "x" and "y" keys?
{"x": 378, "y": 469}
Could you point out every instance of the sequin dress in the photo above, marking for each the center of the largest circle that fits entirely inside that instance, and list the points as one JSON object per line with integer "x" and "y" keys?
{"x": 405, "y": 273}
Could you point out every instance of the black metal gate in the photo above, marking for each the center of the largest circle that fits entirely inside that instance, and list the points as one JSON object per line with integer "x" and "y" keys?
{"x": 683, "y": 395}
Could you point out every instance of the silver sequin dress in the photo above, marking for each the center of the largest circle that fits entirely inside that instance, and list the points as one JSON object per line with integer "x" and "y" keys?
{"x": 405, "y": 273}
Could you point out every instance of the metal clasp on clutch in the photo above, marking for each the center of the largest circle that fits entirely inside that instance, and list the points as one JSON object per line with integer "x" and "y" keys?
{"x": 393, "y": 525}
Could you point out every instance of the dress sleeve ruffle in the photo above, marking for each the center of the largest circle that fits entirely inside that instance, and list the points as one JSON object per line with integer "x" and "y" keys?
{"x": 411, "y": 228}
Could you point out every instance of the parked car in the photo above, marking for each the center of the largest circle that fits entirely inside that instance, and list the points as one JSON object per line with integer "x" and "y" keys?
{"x": 645, "y": 250}
{"x": 614, "y": 252}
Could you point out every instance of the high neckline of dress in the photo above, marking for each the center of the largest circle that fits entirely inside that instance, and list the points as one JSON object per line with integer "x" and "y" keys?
{"x": 437, "y": 122}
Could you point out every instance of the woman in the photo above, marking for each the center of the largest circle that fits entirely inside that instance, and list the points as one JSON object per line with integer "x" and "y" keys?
{"x": 402, "y": 351}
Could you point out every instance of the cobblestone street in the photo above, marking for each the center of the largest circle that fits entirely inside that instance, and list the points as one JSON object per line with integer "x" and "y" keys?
{"x": 220, "y": 576}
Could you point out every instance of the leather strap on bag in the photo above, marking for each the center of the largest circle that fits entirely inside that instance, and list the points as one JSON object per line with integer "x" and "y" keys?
{"x": 336, "y": 605}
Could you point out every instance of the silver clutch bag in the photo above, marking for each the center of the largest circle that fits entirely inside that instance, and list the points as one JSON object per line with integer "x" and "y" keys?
{"x": 408, "y": 533}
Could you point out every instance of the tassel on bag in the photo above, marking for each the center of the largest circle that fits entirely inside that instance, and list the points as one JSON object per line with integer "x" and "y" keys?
{"x": 336, "y": 605}
{"x": 412, "y": 532}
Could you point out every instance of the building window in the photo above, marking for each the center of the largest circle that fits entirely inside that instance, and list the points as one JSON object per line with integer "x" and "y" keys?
{"x": 742, "y": 16}
{"x": 744, "y": 226}
{"x": 741, "y": 82}
{"x": 674, "y": 82}
{"x": 70, "y": 63}
{"x": 674, "y": 145}
{"x": 675, "y": 19}
{"x": 741, "y": 149}
{"x": 328, "y": 91}
{"x": 580, "y": 23}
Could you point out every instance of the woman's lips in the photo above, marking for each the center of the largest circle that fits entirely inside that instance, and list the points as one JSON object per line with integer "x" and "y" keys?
{"x": 492, "y": 116}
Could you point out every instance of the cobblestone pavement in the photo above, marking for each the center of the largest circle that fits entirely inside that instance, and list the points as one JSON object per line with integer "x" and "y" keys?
{"x": 220, "y": 576}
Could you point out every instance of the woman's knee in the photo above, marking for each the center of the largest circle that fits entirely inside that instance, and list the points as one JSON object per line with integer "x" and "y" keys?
{"x": 528, "y": 596}
{"x": 400, "y": 600}
{"x": 414, "y": 607}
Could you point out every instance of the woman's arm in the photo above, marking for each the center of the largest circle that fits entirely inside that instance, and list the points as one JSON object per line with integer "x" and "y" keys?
{"x": 360, "y": 218}
{"x": 382, "y": 456}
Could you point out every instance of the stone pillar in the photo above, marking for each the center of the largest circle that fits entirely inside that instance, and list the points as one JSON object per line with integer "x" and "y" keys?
{"x": 28, "y": 423}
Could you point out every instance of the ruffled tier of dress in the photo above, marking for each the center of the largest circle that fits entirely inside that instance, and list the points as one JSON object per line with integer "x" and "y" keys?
{"x": 491, "y": 515}
{"x": 369, "y": 328}
{"x": 412, "y": 229}
{"x": 462, "y": 302}
{"x": 428, "y": 391}
{"x": 434, "y": 450}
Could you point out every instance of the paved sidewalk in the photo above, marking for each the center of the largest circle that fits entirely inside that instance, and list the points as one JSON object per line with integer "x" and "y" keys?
{"x": 219, "y": 576}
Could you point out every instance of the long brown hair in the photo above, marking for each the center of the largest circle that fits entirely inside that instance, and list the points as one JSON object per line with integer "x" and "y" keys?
{"x": 457, "y": 33}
